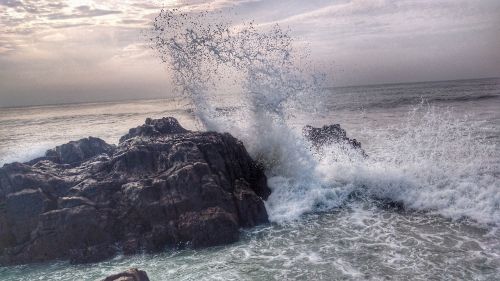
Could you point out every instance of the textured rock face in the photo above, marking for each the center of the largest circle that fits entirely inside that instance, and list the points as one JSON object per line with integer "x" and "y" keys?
{"x": 130, "y": 275}
{"x": 156, "y": 127}
{"x": 331, "y": 134}
{"x": 77, "y": 151}
{"x": 161, "y": 186}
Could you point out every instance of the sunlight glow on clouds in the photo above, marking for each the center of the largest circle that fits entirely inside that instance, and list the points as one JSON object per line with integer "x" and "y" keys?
{"x": 54, "y": 51}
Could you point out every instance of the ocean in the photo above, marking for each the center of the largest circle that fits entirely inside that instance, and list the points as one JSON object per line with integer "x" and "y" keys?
{"x": 434, "y": 148}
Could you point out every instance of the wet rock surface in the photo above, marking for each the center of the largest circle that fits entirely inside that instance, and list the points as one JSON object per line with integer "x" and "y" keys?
{"x": 130, "y": 275}
{"x": 331, "y": 134}
{"x": 161, "y": 186}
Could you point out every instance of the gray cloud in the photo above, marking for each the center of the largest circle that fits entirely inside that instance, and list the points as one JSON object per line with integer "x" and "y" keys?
{"x": 147, "y": 6}
{"x": 11, "y": 3}
{"x": 33, "y": 6}
{"x": 69, "y": 25}
{"x": 82, "y": 12}
{"x": 134, "y": 21}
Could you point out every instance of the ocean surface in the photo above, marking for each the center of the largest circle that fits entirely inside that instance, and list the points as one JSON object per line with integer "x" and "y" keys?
{"x": 433, "y": 147}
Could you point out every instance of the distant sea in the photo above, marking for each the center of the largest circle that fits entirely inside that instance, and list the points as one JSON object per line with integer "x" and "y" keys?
{"x": 433, "y": 147}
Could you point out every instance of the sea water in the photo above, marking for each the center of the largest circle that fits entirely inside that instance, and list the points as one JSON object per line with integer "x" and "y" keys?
{"x": 433, "y": 147}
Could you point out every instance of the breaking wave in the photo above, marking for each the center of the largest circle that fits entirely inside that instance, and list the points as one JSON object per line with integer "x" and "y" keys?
{"x": 433, "y": 163}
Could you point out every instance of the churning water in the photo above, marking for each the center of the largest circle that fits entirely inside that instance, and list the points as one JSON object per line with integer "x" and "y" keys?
{"x": 433, "y": 149}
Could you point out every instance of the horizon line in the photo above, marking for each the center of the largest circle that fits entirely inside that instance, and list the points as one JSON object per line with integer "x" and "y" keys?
{"x": 176, "y": 97}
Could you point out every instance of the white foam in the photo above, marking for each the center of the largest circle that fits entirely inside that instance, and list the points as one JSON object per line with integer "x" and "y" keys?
{"x": 24, "y": 152}
{"x": 434, "y": 163}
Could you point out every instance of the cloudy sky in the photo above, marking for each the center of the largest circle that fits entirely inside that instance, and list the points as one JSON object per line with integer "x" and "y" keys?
{"x": 78, "y": 51}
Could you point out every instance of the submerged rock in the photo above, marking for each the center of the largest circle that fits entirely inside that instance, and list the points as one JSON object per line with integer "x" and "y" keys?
{"x": 161, "y": 186}
{"x": 130, "y": 275}
{"x": 331, "y": 134}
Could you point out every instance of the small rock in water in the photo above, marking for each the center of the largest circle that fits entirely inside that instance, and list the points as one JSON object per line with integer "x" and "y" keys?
{"x": 133, "y": 274}
{"x": 330, "y": 134}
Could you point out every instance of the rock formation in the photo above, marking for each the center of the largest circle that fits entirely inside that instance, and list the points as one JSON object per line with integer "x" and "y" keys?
{"x": 161, "y": 186}
{"x": 331, "y": 134}
{"x": 130, "y": 275}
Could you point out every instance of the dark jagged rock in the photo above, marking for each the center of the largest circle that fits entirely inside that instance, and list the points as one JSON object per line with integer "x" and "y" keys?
{"x": 162, "y": 186}
{"x": 155, "y": 127}
{"x": 77, "y": 151}
{"x": 330, "y": 134}
{"x": 130, "y": 275}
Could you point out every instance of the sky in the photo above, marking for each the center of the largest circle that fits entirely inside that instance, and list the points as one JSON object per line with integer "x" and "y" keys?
{"x": 54, "y": 52}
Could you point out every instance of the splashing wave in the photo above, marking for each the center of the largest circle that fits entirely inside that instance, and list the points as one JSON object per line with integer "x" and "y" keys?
{"x": 435, "y": 163}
